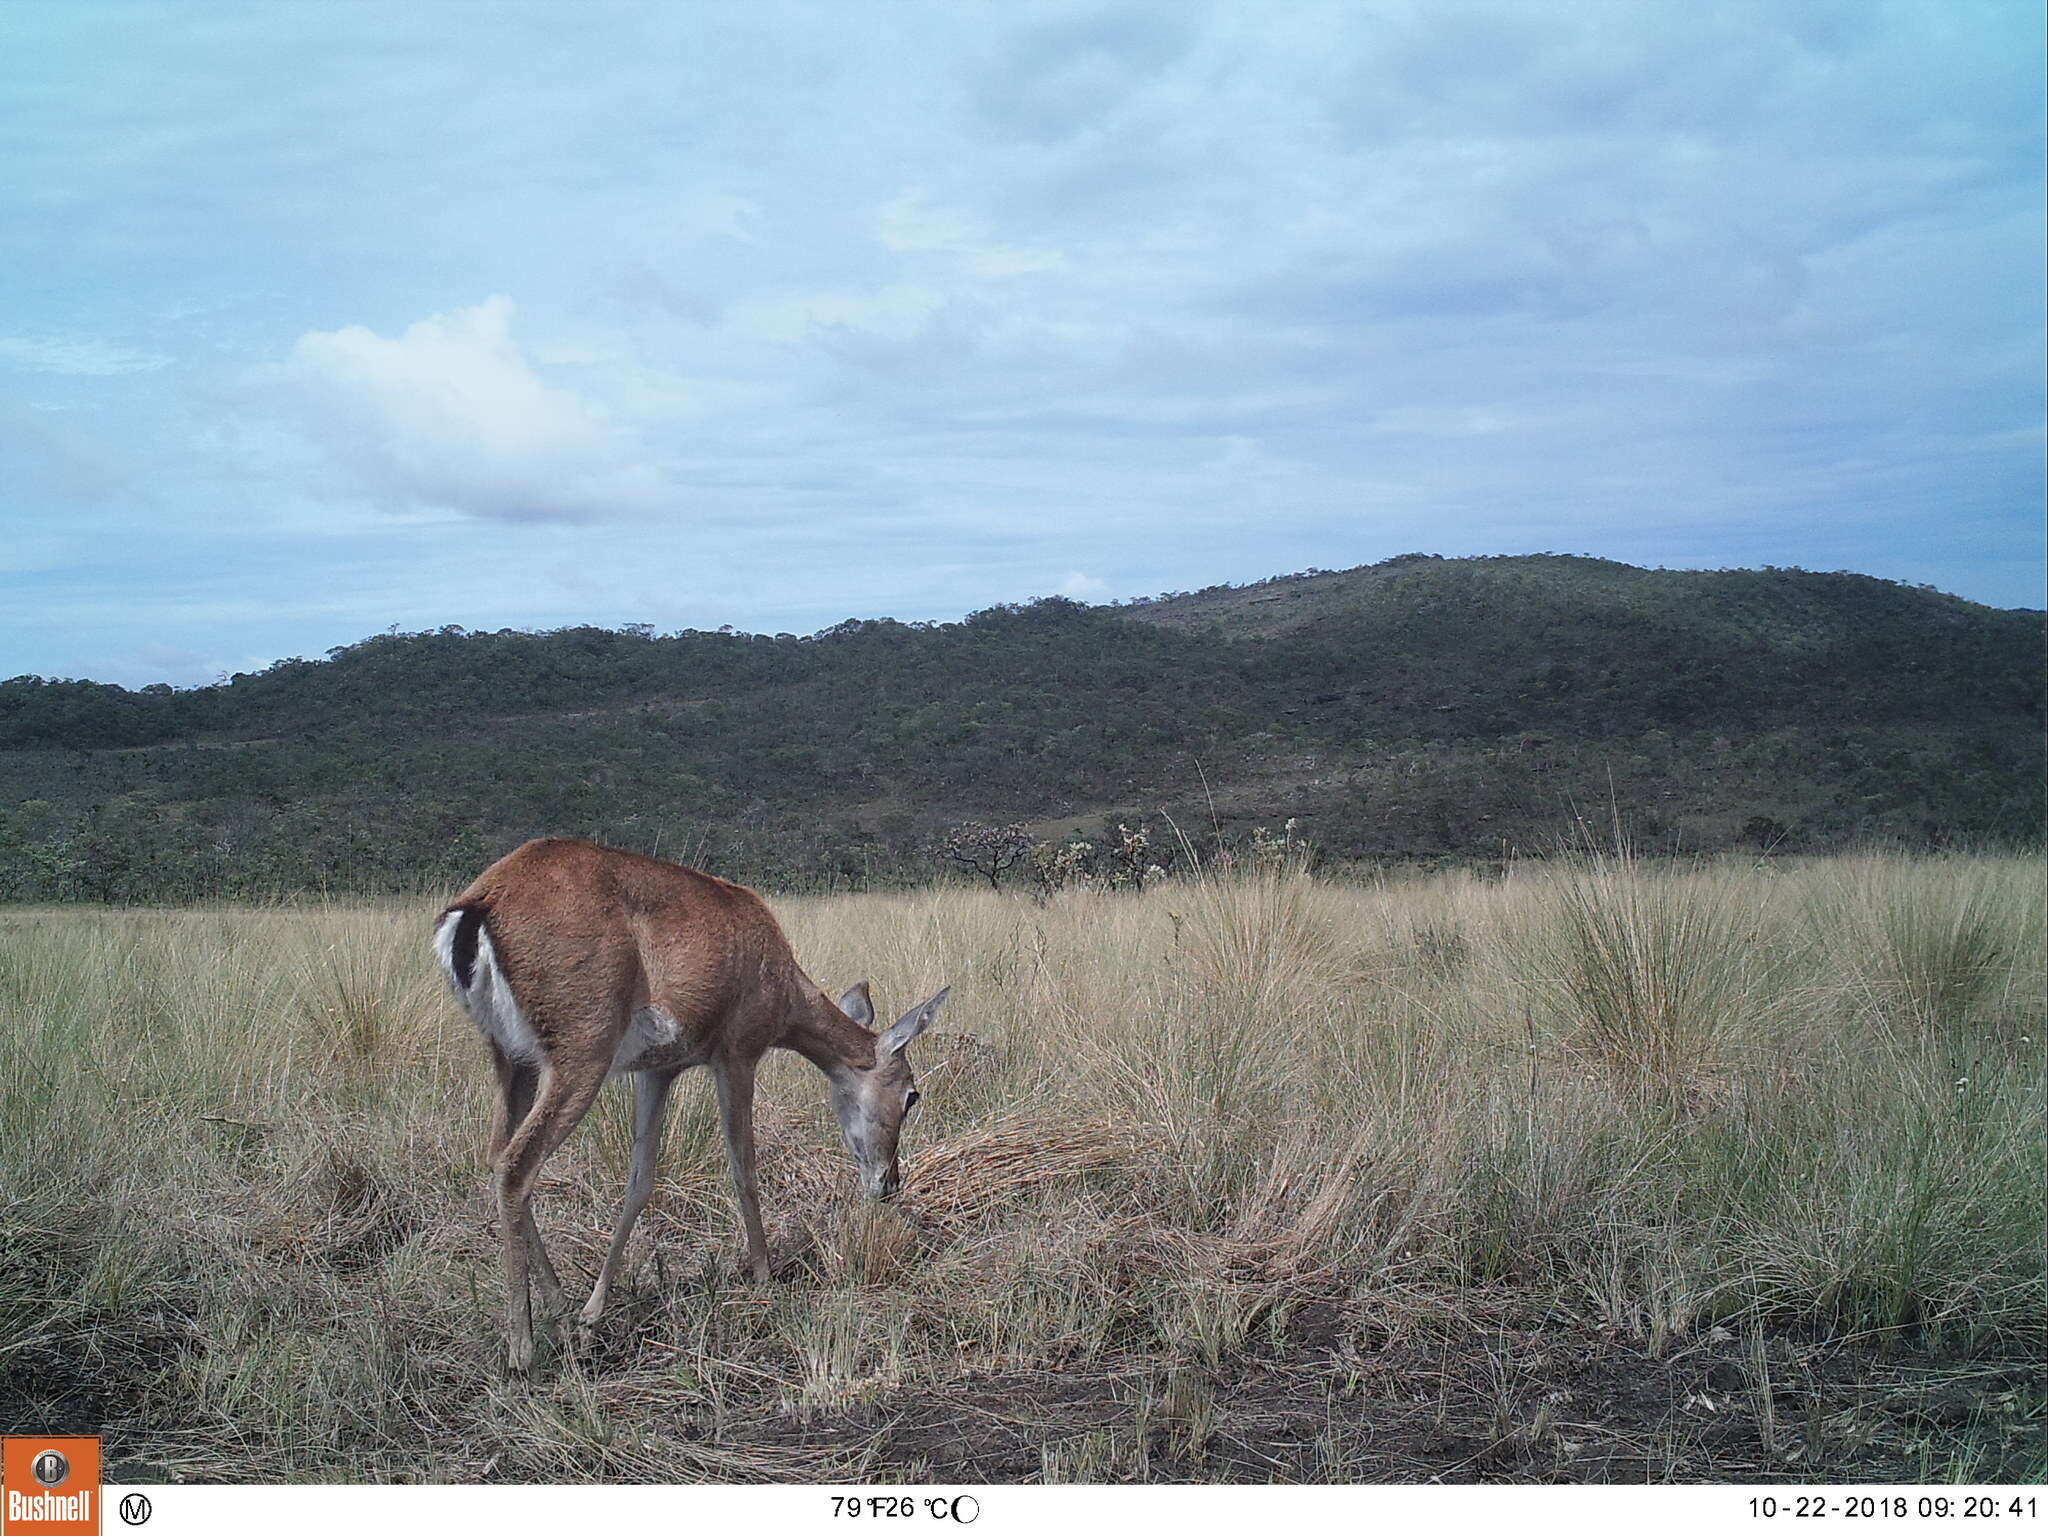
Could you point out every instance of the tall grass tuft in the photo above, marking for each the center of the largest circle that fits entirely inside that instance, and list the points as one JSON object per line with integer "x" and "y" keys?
{"x": 1943, "y": 936}
{"x": 1254, "y": 981}
{"x": 1660, "y": 978}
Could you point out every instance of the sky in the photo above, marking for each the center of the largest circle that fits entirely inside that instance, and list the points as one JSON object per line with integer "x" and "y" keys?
{"x": 319, "y": 319}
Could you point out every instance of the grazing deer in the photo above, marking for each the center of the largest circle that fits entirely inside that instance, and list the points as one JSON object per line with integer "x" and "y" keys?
{"x": 579, "y": 963}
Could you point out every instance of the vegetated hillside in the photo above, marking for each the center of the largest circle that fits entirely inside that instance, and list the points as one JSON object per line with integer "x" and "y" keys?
{"x": 1418, "y": 708}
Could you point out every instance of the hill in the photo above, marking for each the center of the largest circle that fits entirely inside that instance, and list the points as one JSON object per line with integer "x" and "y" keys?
{"x": 1418, "y": 708}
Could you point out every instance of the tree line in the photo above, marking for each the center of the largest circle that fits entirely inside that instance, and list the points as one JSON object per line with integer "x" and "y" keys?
{"x": 1423, "y": 709}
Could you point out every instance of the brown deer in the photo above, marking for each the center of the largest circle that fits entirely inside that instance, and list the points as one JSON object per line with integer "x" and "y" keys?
{"x": 580, "y": 963}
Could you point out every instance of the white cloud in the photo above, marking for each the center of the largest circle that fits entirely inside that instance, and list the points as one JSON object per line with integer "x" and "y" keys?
{"x": 451, "y": 414}
{"x": 84, "y": 356}
{"x": 1084, "y": 588}
{"x": 1435, "y": 421}
{"x": 909, "y": 223}
{"x": 785, "y": 317}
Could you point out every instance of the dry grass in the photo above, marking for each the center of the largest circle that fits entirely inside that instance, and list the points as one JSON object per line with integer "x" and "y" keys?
{"x": 1216, "y": 1181}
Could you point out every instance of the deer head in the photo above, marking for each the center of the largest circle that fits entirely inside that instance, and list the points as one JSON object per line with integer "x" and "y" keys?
{"x": 871, "y": 1102}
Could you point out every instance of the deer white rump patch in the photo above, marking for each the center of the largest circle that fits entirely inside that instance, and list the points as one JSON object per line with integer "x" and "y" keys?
{"x": 488, "y": 997}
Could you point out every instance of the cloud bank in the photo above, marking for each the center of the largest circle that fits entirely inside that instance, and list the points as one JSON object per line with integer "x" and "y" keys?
{"x": 914, "y": 308}
{"x": 450, "y": 414}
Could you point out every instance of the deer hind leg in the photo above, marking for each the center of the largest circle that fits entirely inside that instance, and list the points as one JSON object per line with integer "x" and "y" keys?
{"x": 650, "y": 1097}
{"x": 735, "y": 1083}
{"x": 516, "y": 1083}
{"x": 561, "y": 1100}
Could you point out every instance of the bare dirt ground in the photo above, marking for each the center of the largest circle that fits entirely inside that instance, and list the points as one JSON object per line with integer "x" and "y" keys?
{"x": 1326, "y": 1396}
{"x": 1547, "y": 1401}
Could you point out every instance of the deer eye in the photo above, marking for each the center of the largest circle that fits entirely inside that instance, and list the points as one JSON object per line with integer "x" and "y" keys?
{"x": 910, "y": 1103}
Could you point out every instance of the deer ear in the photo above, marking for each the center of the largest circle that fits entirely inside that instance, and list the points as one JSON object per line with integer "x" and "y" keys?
{"x": 857, "y": 1006}
{"x": 912, "y": 1024}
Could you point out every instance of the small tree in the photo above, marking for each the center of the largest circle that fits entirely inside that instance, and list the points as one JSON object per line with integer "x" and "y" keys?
{"x": 986, "y": 850}
{"x": 1136, "y": 861}
{"x": 1055, "y": 866}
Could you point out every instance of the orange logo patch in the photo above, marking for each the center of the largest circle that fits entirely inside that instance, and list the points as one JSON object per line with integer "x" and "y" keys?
{"x": 51, "y": 1485}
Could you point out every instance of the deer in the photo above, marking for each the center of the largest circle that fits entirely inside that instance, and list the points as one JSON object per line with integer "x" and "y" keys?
{"x": 580, "y": 964}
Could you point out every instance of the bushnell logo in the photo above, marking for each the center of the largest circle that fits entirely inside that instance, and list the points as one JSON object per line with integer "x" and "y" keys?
{"x": 52, "y": 1486}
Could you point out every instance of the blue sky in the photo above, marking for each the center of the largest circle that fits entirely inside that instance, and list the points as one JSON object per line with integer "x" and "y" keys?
{"x": 321, "y": 318}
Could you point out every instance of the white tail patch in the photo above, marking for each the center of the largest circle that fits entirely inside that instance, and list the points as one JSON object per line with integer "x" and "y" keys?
{"x": 489, "y": 996}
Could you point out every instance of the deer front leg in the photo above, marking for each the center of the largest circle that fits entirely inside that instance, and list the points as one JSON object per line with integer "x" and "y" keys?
{"x": 735, "y": 1083}
{"x": 650, "y": 1097}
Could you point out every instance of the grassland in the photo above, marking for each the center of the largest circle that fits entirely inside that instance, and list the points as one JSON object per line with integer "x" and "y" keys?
{"x": 1598, "y": 1171}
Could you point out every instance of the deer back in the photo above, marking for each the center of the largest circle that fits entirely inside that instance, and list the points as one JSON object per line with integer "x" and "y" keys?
{"x": 640, "y": 962}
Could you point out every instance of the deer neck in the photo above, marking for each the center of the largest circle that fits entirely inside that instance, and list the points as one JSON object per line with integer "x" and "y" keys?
{"x": 828, "y": 1039}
